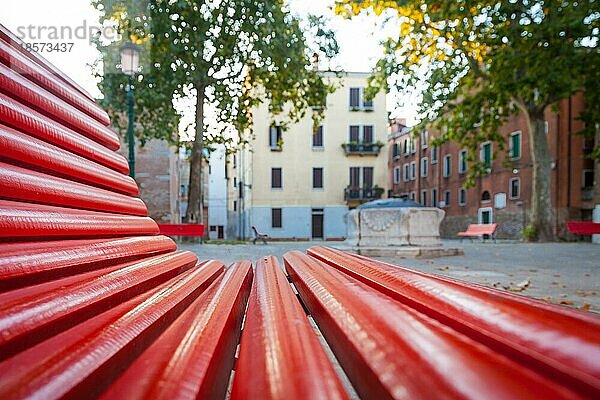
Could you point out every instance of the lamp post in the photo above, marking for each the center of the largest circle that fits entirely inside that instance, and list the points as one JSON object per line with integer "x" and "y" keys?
{"x": 130, "y": 56}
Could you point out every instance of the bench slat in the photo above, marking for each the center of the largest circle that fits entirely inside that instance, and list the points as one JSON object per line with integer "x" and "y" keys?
{"x": 193, "y": 358}
{"x": 277, "y": 340}
{"x": 82, "y": 366}
{"x": 385, "y": 355}
{"x": 507, "y": 323}
{"x": 33, "y": 123}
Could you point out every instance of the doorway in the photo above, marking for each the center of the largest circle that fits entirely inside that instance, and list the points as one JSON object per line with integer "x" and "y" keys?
{"x": 317, "y": 223}
{"x": 484, "y": 215}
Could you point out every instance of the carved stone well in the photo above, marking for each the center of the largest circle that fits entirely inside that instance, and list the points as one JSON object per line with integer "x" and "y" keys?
{"x": 396, "y": 227}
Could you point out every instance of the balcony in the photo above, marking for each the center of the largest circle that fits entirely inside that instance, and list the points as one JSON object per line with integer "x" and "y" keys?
{"x": 356, "y": 196}
{"x": 362, "y": 149}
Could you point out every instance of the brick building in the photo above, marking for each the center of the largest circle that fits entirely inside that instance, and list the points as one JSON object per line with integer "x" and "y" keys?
{"x": 435, "y": 175}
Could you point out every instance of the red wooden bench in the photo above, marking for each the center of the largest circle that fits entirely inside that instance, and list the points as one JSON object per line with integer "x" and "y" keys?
{"x": 181, "y": 229}
{"x": 95, "y": 303}
{"x": 583, "y": 227}
{"x": 479, "y": 230}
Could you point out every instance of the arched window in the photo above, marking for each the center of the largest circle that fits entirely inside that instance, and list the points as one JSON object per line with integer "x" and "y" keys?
{"x": 485, "y": 196}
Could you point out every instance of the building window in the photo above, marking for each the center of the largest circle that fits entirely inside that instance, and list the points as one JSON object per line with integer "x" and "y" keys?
{"x": 447, "y": 198}
{"x": 365, "y": 137}
{"x": 235, "y": 205}
{"x": 424, "y": 139}
{"x": 462, "y": 196}
{"x": 317, "y": 178}
{"x": 395, "y": 151}
{"x": 514, "y": 189}
{"x": 447, "y": 165}
{"x": 413, "y": 171}
{"x": 396, "y": 175}
{"x": 434, "y": 155}
{"x": 234, "y": 161}
{"x": 433, "y": 197}
{"x": 367, "y": 104}
{"x": 424, "y": 198}
{"x": 514, "y": 146}
{"x": 405, "y": 172}
{"x": 486, "y": 197}
{"x": 317, "y": 137}
{"x": 588, "y": 178}
{"x": 406, "y": 147}
{"x": 367, "y": 134}
{"x": 424, "y": 166}
{"x": 413, "y": 145}
{"x": 276, "y": 218}
{"x": 485, "y": 154}
{"x": 234, "y": 183}
{"x": 275, "y": 140}
{"x": 276, "y": 181}
{"x": 413, "y": 196}
{"x": 462, "y": 161}
{"x": 354, "y": 97}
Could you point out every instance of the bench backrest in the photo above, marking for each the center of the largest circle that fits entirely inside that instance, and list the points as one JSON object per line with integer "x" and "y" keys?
{"x": 485, "y": 229}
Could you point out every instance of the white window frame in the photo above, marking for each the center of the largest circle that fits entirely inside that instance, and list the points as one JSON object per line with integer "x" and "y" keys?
{"x": 510, "y": 145}
{"x": 434, "y": 150}
{"x": 413, "y": 196}
{"x": 413, "y": 171}
{"x": 462, "y": 154}
{"x": 480, "y": 212}
{"x": 447, "y": 198}
{"x": 447, "y": 166}
{"x": 423, "y": 168}
{"x": 406, "y": 146}
{"x": 424, "y": 139}
{"x": 434, "y": 199}
{"x": 460, "y": 191}
{"x": 405, "y": 172}
{"x": 423, "y": 199}
{"x": 396, "y": 175}
{"x": 510, "y": 183}
{"x": 481, "y": 154}
{"x": 413, "y": 145}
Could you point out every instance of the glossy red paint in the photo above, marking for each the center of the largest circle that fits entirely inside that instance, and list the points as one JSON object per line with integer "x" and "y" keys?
{"x": 16, "y": 86}
{"x": 17, "y": 183}
{"x": 32, "y": 317}
{"x": 280, "y": 355}
{"x": 561, "y": 343}
{"x": 36, "y": 73}
{"x": 181, "y": 229}
{"x": 28, "y": 263}
{"x": 83, "y": 361}
{"x": 24, "y": 150}
{"x": 19, "y": 220}
{"x": 389, "y": 350}
{"x": 193, "y": 358}
{"x": 33, "y": 123}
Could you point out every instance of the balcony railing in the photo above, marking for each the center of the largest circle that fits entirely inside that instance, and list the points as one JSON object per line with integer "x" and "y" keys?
{"x": 362, "y": 195}
{"x": 370, "y": 149}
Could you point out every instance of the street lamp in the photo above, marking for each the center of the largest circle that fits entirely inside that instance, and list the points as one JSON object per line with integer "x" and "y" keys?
{"x": 130, "y": 57}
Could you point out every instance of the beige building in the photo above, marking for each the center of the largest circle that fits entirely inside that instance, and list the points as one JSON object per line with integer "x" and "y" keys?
{"x": 300, "y": 183}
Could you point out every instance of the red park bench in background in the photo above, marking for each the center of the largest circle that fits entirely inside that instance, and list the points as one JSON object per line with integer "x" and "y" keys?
{"x": 95, "y": 302}
{"x": 583, "y": 227}
{"x": 181, "y": 229}
{"x": 479, "y": 230}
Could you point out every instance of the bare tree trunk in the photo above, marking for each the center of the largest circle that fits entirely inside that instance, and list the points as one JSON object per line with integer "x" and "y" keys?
{"x": 541, "y": 201}
{"x": 194, "y": 214}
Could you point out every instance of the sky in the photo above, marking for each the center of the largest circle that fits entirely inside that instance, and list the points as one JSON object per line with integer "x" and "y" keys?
{"x": 33, "y": 19}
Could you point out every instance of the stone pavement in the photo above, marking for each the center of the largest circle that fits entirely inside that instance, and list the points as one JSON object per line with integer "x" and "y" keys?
{"x": 561, "y": 273}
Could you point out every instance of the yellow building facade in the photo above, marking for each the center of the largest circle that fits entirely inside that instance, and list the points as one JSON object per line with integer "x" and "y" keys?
{"x": 300, "y": 183}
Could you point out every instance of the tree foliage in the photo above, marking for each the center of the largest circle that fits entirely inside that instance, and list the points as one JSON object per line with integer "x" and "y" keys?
{"x": 232, "y": 55}
{"x": 478, "y": 62}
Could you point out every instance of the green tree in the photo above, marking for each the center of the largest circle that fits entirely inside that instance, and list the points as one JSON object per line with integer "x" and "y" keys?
{"x": 478, "y": 62}
{"x": 232, "y": 56}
